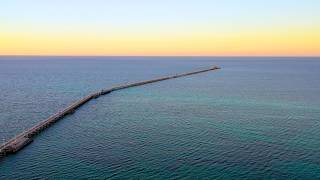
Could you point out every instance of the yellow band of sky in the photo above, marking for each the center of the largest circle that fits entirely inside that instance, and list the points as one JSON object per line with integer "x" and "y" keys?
{"x": 290, "y": 41}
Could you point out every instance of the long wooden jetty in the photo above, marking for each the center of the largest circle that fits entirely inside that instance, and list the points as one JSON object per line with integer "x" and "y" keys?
{"x": 21, "y": 140}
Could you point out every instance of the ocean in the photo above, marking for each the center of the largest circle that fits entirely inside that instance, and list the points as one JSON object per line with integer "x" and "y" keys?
{"x": 256, "y": 118}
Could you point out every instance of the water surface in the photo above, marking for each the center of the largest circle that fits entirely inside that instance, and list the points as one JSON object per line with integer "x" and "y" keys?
{"x": 254, "y": 118}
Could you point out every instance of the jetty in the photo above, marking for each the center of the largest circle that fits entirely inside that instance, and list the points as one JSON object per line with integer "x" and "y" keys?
{"x": 21, "y": 140}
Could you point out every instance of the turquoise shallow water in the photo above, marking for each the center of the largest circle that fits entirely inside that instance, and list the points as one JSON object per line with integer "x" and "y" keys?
{"x": 255, "y": 118}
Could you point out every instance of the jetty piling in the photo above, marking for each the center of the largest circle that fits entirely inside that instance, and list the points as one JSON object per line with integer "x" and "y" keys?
{"x": 21, "y": 140}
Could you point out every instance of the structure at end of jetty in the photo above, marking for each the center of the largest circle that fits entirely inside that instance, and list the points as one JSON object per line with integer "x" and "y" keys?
{"x": 21, "y": 140}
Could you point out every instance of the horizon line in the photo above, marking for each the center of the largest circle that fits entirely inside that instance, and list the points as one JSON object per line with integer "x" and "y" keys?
{"x": 246, "y": 56}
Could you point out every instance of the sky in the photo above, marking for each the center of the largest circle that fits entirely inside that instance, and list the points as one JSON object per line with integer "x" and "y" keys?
{"x": 160, "y": 27}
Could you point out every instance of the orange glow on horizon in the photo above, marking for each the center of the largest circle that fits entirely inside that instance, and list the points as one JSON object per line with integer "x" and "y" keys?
{"x": 281, "y": 42}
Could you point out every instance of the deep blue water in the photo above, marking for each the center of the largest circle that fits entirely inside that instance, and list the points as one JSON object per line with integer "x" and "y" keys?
{"x": 255, "y": 118}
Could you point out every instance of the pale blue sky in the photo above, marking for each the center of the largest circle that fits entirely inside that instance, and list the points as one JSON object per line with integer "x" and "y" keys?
{"x": 142, "y": 13}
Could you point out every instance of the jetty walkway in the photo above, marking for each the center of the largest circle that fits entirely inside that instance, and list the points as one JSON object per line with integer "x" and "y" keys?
{"x": 21, "y": 140}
